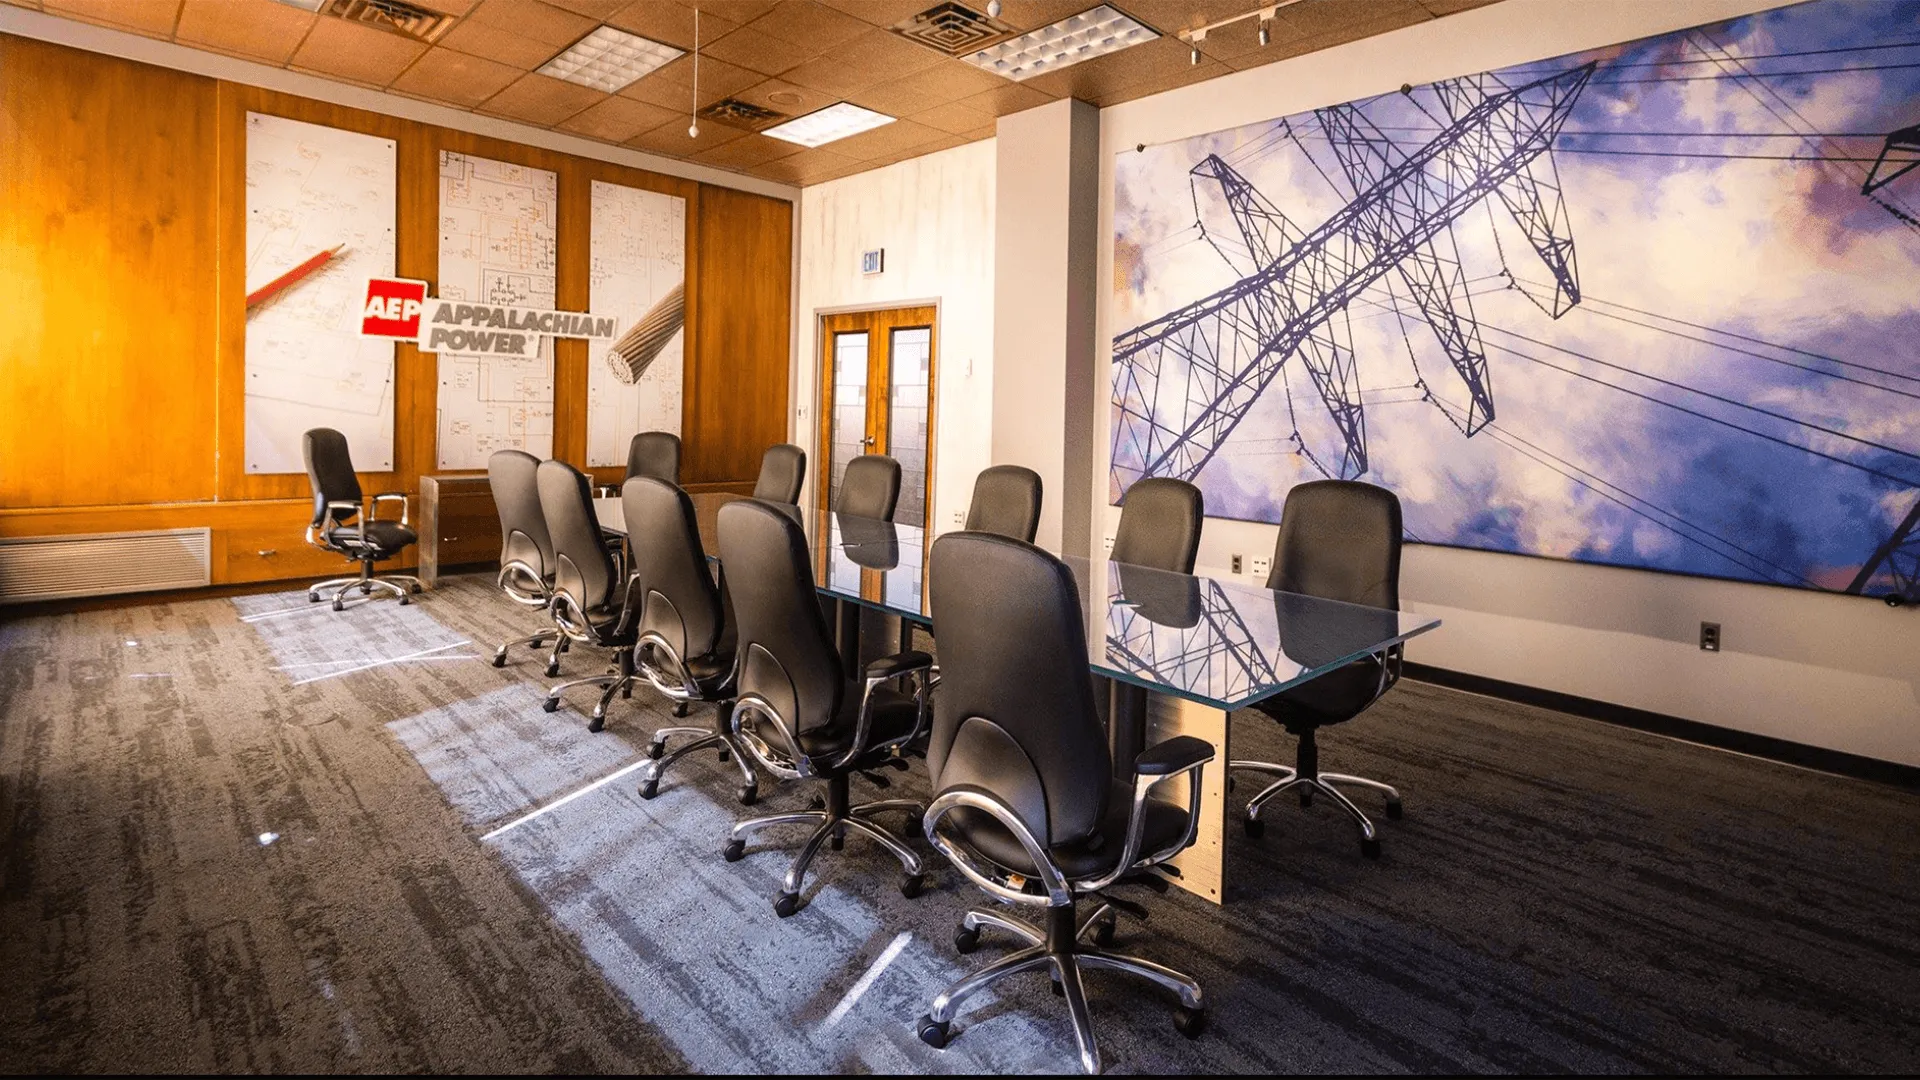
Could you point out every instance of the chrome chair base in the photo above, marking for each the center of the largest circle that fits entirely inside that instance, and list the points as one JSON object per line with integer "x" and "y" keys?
{"x": 1058, "y": 948}
{"x": 720, "y": 735}
{"x": 834, "y": 822}
{"x": 534, "y": 641}
{"x": 400, "y": 585}
{"x": 619, "y": 681}
{"x": 1289, "y": 778}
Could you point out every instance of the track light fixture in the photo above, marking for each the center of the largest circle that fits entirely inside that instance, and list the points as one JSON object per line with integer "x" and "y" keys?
{"x": 1266, "y": 35}
{"x": 1264, "y": 13}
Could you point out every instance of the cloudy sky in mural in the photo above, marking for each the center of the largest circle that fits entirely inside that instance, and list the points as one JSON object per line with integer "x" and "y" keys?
{"x": 1737, "y": 393}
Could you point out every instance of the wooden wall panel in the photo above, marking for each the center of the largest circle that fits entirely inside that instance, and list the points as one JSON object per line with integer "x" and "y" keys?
{"x": 108, "y": 181}
{"x": 122, "y": 274}
{"x": 737, "y": 373}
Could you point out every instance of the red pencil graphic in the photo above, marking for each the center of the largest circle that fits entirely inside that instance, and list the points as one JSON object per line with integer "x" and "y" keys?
{"x": 292, "y": 277}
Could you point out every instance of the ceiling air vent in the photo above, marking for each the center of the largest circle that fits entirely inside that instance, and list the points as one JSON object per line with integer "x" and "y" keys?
{"x": 741, "y": 114}
{"x": 393, "y": 16}
{"x": 954, "y": 29}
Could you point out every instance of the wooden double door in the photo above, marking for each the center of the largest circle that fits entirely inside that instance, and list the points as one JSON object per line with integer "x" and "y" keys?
{"x": 877, "y": 397}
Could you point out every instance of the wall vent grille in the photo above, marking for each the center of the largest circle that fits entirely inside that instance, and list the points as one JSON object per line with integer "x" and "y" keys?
{"x": 60, "y": 567}
{"x": 743, "y": 114}
{"x": 954, "y": 29}
{"x": 393, "y": 16}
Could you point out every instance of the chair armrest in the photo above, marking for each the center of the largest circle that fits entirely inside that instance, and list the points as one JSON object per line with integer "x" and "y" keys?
{"x": 1177, "y": 754}
{"x": 1011, "y": 889}
{"x": 886, "y": 669}
{"x": 389, "y": 496}
{"x": 893, "y": 667}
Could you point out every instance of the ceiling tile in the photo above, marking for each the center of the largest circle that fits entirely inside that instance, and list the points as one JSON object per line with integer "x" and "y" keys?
{"x": 671, "y": 86}
{"x": 1024, "y": 15}
{"x": 887, "y": 140}
{"x": 671, "y": 23}
{"x": 1164, "y": 59}
{"x": 537, "y": 99}
{"x": 261, "y": 29}
{"x": 746, "y": 152}
{"x": 597, "y": 10}
{"x": 1341, "y": 21}
{"x": 784, "y": 97}
{"x": 874, "y": 57}
{"x": 499, "y": 44}
{"x": 447, "y": 7}
{"x": 738, "y": 12}
{"x": 809, "y": 25}
{"x": 671, "y": 138}
{"x": 455, "y": 78}
{"x": 146, "y": 16}
{"x": 356, "y": 53}
{"x": 1009, "y": 98}
{"x": 1173, "y": 16}
{"x": 33, "y": 4}
{"x": 808, "y": 167}
{"x": 885, "y": 12}
{"x": 947, "y": 81}
{"x": 1448, "y": 7}
{"x": 531, "y": 19}
{"x": 618, "y": 119}
{"x": 762, "y": 52}
{"x": 953, "y": 118}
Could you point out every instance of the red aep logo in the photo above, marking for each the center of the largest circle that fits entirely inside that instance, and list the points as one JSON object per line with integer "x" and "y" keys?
{"x": 393, "y": 308}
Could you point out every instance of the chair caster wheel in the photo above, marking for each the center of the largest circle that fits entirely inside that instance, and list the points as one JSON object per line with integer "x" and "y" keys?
{"x": 934, "y": 1032}
{"x": 1256, "y": 828}
{"x": 818, "y": 803}
{"x": 597, "y": 723}
{"x": 551, "y": 704}
{"x": 912, "y": 885}
{"x": 749, "y": 794}
{"x": 680, "y": 709}
{"x": 1103, "y": 932}
{"x": 916, "y": 826}
{"x": 553, "y": 671}
{"x": 725, "y": 756}
{"x": 838, "y": 842}
{"x": 1306, "y": 796}
{"x": 786, "y": 904}
{"x": 405, "y": 600}
{"x": 655, "y": 749}
{"x": 1370, "y": 848}
{"x": 312, "y": 599}
{"x": 735, "y": 851}
{"x": 1190, "y": 1022}
{"x": 1058, "y": 990}
{"x": 416, "y": 588}
{"x": 650, "y": 789}
{"x": 338, "y": 606}
{"x": 500, "y": 661}
{"x": 1393, "y": 810}
{"x": 965, "y": 940}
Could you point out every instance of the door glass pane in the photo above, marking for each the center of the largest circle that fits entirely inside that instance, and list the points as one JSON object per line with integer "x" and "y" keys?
{"x": 849, "y": 404}
{"x": 911, "y": 352}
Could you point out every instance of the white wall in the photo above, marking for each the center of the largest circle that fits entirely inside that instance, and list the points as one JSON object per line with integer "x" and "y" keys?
{"x": 934, "y": 217}
{"x": 1830, "y": 671}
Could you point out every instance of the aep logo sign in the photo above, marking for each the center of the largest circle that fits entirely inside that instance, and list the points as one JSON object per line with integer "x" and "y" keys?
{"x": 393, "y": 308}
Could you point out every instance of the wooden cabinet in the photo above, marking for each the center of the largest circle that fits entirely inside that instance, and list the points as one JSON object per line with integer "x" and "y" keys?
{"x": 276, "y": 553}
{"x": 458, "y": 524}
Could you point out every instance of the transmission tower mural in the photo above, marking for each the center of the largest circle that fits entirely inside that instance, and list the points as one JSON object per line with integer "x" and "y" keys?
{"x": 1656, "y": 305}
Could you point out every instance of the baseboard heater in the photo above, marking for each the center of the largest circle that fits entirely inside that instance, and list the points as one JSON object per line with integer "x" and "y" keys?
{"x": 103, "y": 564}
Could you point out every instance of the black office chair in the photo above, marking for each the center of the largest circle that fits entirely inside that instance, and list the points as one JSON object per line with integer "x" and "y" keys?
{"x": 655, "y": 454}
{"x": 1006, "y": 500}
{"x": 1025, "y": 804}
{"x": 684, "y": 639}
{"x": 590, "y": 600}
{"x": 526, "y": 551}
{"x": 870, "y": 488}
{"x": 797, "y": 713}
{"x": 783, "y": 469}
{"x": 1160, "y": 521}
{"x": 342, "y": 525}
{"x": 1340, "y": 540}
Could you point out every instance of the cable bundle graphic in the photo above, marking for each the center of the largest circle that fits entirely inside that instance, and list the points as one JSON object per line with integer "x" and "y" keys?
{"x": 635, "y": 351}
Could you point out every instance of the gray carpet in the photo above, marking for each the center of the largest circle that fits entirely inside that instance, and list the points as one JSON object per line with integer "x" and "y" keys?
{"x": 247, "y": 835}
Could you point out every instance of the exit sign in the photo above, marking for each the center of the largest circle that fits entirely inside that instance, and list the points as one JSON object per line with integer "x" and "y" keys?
{"x": 873, "y": 262}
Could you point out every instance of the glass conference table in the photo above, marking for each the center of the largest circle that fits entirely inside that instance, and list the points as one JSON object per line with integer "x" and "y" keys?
{"x": 1184, "y": 650}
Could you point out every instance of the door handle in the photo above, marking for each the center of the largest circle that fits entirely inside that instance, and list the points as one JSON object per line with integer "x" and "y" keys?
{"x": 869, "y": 440}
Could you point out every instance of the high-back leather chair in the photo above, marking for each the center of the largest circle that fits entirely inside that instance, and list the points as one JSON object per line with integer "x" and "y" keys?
{"x": 1339, "y": 540}
{"x": 526, "y": 551}
{"x": 655, "y": 454}
{"x": 870, "y": 488}
{"x": 1160, "y": 520}
{"x": 1006, "y": 500}
{"x": 341, "y": 524}
{"x": 797, "y": 712}
{"x": 589, "y": 603}
{"x": 1025, "y": 803}
{"x": 783, "y": 469}
{"x": 684, "y": 634}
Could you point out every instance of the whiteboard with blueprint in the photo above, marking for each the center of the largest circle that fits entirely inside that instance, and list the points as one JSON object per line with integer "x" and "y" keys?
{"x": 638, "y": 274}
{"x": 497, "y": 246}
{"x": 311, "y": 190}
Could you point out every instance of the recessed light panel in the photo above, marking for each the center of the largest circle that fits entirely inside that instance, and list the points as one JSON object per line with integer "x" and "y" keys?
{"x": 830, "y": 124}
{"x": 609, "y": 59}
{"x": 1082, "y": 37}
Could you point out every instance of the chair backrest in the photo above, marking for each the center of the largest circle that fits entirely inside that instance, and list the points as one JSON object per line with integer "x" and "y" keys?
{"x": 1339, "y": 539}
{"x": 1160, "y": 525}
{"x": 871, "y": 487}
{"x": 787, "y": 656}
{"x": 1015, "y": 714}
{"x": 656, "y": 454}
{"x": 582, "y": 565}
{"x": 1161, "y": 597}
{"x": 783, "y": 468}
{"x": 869, "y": 543}
{"x": 329, "y": 472}
{"x": 1006, "y": 500}
{"x": 679, "y": 599}
{"x": 514, "y": 477}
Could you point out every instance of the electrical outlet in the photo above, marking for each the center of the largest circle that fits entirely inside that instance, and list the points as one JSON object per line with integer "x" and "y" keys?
{"x": 1710, "y": 636}
{"x": 1262, "y": 565}
{"x": 1109, "y": 543}
{"x": 960, "y": 518}
{"x": 1236, "y": 563}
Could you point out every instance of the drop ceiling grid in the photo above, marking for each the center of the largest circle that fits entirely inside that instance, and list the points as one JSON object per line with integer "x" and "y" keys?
{"x": 792, "y": 56}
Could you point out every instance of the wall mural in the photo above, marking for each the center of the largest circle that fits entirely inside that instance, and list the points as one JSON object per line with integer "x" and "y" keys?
{"x": 1653, "y": 305}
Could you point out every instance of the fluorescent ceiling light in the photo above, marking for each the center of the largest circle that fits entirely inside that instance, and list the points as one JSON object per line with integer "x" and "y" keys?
{"x": 1069, "y": 41}
{"x": 306, "y": 5}
{"x": 827, "y": 125}
{"x": 609, "y": 59}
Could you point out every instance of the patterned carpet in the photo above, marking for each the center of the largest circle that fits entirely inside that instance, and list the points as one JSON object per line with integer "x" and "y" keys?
{"x": 246, "y": 835}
